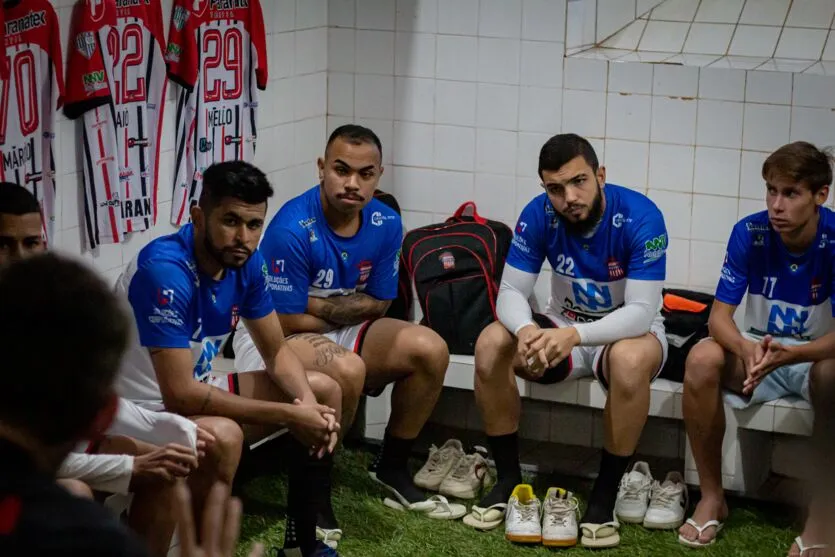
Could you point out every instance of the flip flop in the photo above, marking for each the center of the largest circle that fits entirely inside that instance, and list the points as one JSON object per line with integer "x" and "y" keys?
{"x": 804, "y": 548}
{"x": 600, "y": 536}
{"x": 399, "y": 502}
{"x": 699, "y": 529}
{"x": 488, "y": 518}
{"x": 330, "y": 538}
{"x": 444, "y": 510}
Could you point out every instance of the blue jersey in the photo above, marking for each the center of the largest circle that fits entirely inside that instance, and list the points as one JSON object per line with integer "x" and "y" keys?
{"x": 589, "y": 273}
{"x": 176, "y": 306}
{"x": 789, "y": 294}
{"x": 306, "y": 258}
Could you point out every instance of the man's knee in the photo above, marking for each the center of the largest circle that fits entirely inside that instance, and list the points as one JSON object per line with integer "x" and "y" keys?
{"x": 630, "y": 368}
{"x": 703, "y": 367}
{"x": 425, "y": 348}
{"x": 76, "y": 488}
{"x": 349, "y": 372}
{"x": 229, "y": 437}
{"x": 822, "y": 385}
{"x": 326, "y": 389}
{"x": 493, "y": 344}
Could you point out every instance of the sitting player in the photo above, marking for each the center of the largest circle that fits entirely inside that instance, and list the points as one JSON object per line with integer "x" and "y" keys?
{"x": 784, "y": 258}
{"x": 186, "y": 291}
{"x": 607, "y": 249}
{"x": 332, "y": 254}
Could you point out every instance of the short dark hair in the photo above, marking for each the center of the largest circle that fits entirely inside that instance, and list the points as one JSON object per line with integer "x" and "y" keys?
{"x": 355, "y": 135}
{"x": 800, "y": 162}
{"x": 237, "y": 179}
{"x": 17, "y": 200}
{"x": 564, "y": 147}
{"x": 64, "y": 334}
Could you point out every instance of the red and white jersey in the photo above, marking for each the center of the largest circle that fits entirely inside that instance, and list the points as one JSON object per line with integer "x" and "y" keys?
{"x": 4, "y": 60}
{"x": 29, "y": 98}
{"x": 117, "y": 80}
{"x": 217, "y": 53}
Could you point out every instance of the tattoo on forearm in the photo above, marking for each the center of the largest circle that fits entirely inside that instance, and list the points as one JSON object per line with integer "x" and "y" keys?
{"x": 353, "y": 309}
{"x": 206, "y": 400}
{"x": 324, "y": 350}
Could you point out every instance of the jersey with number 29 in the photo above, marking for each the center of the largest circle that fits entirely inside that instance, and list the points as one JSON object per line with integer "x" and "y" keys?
{"x": 217, "y": 53}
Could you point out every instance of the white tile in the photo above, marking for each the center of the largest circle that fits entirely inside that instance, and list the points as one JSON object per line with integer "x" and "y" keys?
{"x": 709, "y": 38}
{"x": 814, "y": 91}
{"x": 581, "y": 22}
{"x": 541, "y": 65}
{"x": 584, "y": 113}
{"x": 283, "y": 89}
{"x": 495, "y": 196}
{"x": 713, "y": 217}
{"x": 821, "y": 68}
{"x": 498, "y": 61}
{"x": 414, "y": 99}
{"x": 496, "y": 152}
{"x": 310, "y": 137}
{"x": 413, "y": 188}
{"x": 628, "y": 116}
{"x": 719, "y": 124}
{"x": 693, "y": 60}
{"x": 749, "y": 207}
{"x": 754, "y": 40}
{"x": 678, "y": 81}
{"x": 285, "y": 138}
{"x": 664, "y": 36}
{"x": 676, "y": 208}
{"x": 584, "y": 73}
{"x": 311, "y": 97}
{"x": 829, "y": 51}
{"x": 283, "y": 55}
{"x": 413, "y": 144}
{"x": 417, "y": 16}
{"x": 675, "y": 10}
{"x": 453, "y": 189}
{"x": 454, "y": 148}
{"x": 283, "y": 15}
{"x": 600, "y": 53}
{"x": 374, "y": 96}
{"x": 415, "y": 55}
{"x": 630, "y": 78}
{"x": 811, "y": 13}
{"x": 497, "y": 106}
{"x": 375, "y": 52}
{"x": 766, "y": 126}
{"x": 458, "y": 17}
{"x": 815, "y": 125}
{"x": 721, "y": 84}
{"x": 802, "y": 44}
{"x": 739, "y": 62}
{"x": 311, "y": 13}
{"x": 706, "y": 262}
{"x": 535, "y": 422}
{"x": 671, "y": 167}
{"x": 543, "y": 20}
{"x": 540, "y": 109}
{"x": 341, "y": 13}
{"x": 628, "y": 37}
{"x": 765, "y": 12}
{"x": 457, "y": 58}
{"x": 499, "y": 18}
{"x": 678, "y": 261}
{"x": 751, "y": 183}
{"x": 644, "y": 6}
{"x": 340, "y": 50}
{"x": 375, "y": 14}
{"x": 768, "y": 87}
{"x": 385, "y": 130}
{"x": 612, "y": 16}
{"x": 626, "y": 163}
{"x": 785, "y": 65}
{"x": 455, "y": 103}
{"x": 717, "y": 171}
{"x": 720, "y": 11}
{"x": 673, "y": 121}
{"x": 527, "y": 160}
{"x": 106, "y": 257}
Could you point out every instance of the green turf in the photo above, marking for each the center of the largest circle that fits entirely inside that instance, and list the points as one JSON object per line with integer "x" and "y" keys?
{"x": 373, "y": 530}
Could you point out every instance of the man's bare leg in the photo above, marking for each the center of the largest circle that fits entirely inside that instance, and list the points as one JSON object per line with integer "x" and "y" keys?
{"x": 76, "y": 487}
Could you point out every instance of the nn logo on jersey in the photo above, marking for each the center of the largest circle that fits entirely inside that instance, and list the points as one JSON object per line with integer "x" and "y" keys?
{"x": 85, "y": 43}
{"x": 94, "y": 81}
{"x": 591, "y": 295}
{"x": 787, "y": 321}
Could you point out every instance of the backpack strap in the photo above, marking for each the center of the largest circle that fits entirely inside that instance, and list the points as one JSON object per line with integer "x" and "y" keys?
{"x": 468, "y": 207}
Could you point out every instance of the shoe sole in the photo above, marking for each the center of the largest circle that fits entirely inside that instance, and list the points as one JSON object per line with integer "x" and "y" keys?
{"x": 631, "y": 519}
{"x": 427, "y": 486}
{"x": 523, "y": 538}
{"x": 458, "y": 493}
{"x": 663, "y": 525}
{"x": 559, "y": 543}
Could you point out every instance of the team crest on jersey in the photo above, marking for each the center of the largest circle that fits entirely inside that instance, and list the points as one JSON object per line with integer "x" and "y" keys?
{"x": 85, "y": 43}
{"x": 615, "y": 269}
{"x": 311, "y": 235}
{"x": 235, "y": 317}
{"x": 759, "y": 240}
{"x": 447, "y": 260}
{"x": 815, "y": 289}
{"x": 365, "y": 271}
{"x": 179, "y": 17}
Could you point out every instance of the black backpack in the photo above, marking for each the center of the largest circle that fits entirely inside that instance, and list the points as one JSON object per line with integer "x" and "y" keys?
{"x": 456, "y": 267}
{"x": 685, "y": 322}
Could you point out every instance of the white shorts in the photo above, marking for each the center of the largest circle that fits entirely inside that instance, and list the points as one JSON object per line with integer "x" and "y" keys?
{"x": 586, "y": 360}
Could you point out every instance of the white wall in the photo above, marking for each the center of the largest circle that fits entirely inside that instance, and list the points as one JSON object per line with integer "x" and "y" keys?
{"x": 291, "y": 127}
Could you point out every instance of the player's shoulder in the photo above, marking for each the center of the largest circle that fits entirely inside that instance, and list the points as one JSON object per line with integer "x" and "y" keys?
{"x": 380, "y": 215}
{"x": 539, "y": 207}
{"x": 298, "y": 214}
{"x": 631, "y": 203}
{"x": 170, "y": 257}
{"x": 755, "y": 223}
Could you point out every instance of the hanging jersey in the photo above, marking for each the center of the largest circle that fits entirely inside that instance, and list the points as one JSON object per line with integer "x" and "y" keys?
{"x": 306, "y": 258}
{"x": 788, "y": 295}
{"x": 588, "y": 276}
{"x": 217, "y": 53}
{"x": 4, "y": 60}
{"x": 29, "y": 98}
{"x": 176, "y": 306}
{"x": 116, "y": 80}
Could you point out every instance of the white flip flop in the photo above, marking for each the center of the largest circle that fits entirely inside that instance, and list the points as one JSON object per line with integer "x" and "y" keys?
{"x": 444, "y": 510}
{"x": 488, "y": 518}
{"x": 600, "y": 536}
{"x": 399, "y": 502}
{"x": 804, "y": 548}
{"x": 699, "y": 529}
{"x": 330, "y": 538}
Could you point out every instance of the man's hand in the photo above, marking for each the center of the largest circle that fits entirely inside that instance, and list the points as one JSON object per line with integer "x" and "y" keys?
{"x": 315, "y": 426}
{"x": 551, "y": 346}
{"x": 774, "y": 355}
{"x": 164, "y": 464}
{"x": 524, "y": 337}
{"x": 205, "y": 441}
{"x": 220, "y": 528}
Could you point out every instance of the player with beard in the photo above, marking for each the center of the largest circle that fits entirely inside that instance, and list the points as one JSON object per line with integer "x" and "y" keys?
{"x": 606, "y": 246}
{"x": 187, "y": 291}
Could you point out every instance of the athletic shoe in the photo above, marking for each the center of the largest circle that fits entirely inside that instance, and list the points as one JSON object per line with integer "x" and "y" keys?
{"x": 321, "y": 550}
{"x": 668, "y": 503}
{"x": 439, "y": 464}
{"x": 559, "y": 519}
{"x": 634, "y": 493}
{"x": 522, "y": 524}
{"x": 467, "y": 476}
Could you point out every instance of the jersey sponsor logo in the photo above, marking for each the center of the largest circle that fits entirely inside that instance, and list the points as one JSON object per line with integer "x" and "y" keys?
{"x": 138, "y": 142}
{"x": 617, "y": 220}
{"x": 85, "y": 43}
{"x": 591, "y": 295}
{"x": 447, "y": 260}
{"x": 114, "y": 202}
{"x": 754, "y": 227}
{"x": 377, "y": 218}
{"x": 28, "y": 22}
{"x": 311, "y": 235}
{"x": 759, "y": 240}
{"x": 94, "y": 81}
{"x": 173, "y": 53}
{"x": 307, "y": 223}
{"x": 163, "y": 314}
{"x": 520, "y": 244}
{"x": 785, "y": 320}
{"x": 232, "y": 140}
{"x": 365, "y": 271}
{"x": 131, "y": 3}
{"x": 125, "y": 174}
{"x": 727, "y": 275}
{"x": 204, "y": 145}
{"x": 615, "y": 269}
{"x": 229, "y": 4}
{"x": 654, "y": 248}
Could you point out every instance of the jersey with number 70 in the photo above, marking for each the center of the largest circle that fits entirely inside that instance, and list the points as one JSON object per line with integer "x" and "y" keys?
{"x": 217, "y": 53}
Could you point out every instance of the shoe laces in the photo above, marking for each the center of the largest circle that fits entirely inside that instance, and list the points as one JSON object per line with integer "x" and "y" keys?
{"x": 664, "y": 496}
{"x": 559, "y": 511}
{"x": 527, "y": 512}
{"x": 633, "y": 490}
{"x": 436, "y": 459}
{"x": 464, "y": 466}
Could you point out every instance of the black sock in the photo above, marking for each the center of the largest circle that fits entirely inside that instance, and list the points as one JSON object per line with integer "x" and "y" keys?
{"x": 301, "y": 509}
{"x": 320, "y": 471}
{"x": 505, "y": 449}
{"x": 391, "y": 467}
{"x": 601, "y": 505}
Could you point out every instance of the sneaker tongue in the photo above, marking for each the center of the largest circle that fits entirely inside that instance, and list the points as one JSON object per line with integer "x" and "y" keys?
{"x": 635, "y": 477}
{"x": 560, "y": 493}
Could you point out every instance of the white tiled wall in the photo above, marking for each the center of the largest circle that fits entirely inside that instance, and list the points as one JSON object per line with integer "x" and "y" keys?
{"x": 291, "y": 126}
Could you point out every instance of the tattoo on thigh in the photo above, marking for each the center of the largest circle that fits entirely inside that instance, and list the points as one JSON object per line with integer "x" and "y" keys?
{"x": 324, "y": 349}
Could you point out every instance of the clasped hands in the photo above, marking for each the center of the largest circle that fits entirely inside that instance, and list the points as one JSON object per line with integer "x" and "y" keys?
{"x": 761, "y": 358}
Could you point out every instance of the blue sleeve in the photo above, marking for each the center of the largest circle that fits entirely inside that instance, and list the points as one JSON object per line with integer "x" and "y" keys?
{"x": 288, "y": 270}
{"x": 161, "y": 296}
{"x": 733, "y": 282}
{"x": 382, "y": 284}
{"x": 527, "y": 250}
{"x": 648, "y": 247}
{"x": 257, "y": 301}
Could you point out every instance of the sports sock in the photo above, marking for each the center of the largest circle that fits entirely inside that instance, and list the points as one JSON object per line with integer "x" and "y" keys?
{"x": 320, "y": 471}
{"x": 505, "y": 449}
{"x": 391, "y": 467}
{"x": 301, "y": 508}
{"x": 601, "y": 505}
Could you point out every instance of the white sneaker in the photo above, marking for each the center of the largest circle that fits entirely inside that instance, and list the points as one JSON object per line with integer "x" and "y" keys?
{"x": 559, "y": 518}
{"x": 634, "y": 494}
{"x": 467, "y": 476}
{"x": 668, "y": 503}
{"x": 522, "y": 524}
{"x": 439, "y": 464}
